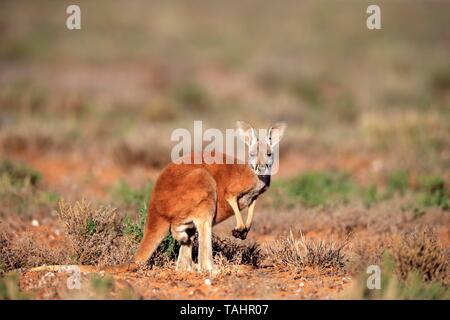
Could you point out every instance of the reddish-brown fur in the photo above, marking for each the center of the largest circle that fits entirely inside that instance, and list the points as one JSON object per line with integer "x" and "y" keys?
{"x": 182, "y": 190}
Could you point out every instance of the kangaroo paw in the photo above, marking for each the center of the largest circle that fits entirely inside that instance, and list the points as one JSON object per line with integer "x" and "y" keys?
{"x": 240, "y": 233}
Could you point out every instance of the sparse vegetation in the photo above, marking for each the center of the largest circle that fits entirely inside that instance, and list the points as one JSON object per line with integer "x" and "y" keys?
{"x": 19, "y": 174}
{"x": 192, "y": 96}
{"x": 432, "y": 192}
{"x": 135, "y": 230}
{"x": 298, "y": 253}
{"x": 394, "y": 287}
{"x": 319, "y": 188}
{"x": 236, "y": 253}
{"x": 398, "y": 182}
{"x": 96, "y": 234}
{"x": 414, "y": 267}
{"x": 10, "y": 290}
{"x": 314, "y": 189}
{"x": 420, "y": 252}
{"x": 131, "y": 196}
{"x": 20, "y": 190}
{"x": 26, "y": 251}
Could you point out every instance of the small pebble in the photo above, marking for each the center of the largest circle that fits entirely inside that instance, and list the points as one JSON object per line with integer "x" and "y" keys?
{"x": 301, "y": 284}
{"x": 207, "y": 282}
{"x": 35, "y": 223}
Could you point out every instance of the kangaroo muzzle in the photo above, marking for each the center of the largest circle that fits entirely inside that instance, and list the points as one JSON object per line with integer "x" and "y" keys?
{"x": 261, "y": 169}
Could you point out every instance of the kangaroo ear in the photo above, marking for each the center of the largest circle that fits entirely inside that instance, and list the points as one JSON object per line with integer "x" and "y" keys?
{"x": 275, "y": 133}
{"x": 246, "y": 132}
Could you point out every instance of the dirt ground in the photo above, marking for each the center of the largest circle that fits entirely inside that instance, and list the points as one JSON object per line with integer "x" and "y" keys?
{"x": 267, "y": 281}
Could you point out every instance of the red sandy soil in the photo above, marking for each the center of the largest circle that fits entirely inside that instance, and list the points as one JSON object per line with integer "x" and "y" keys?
{"x": 92, "y": 176}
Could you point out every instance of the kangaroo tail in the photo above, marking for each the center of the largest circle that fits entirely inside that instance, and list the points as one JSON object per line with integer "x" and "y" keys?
{"x": 86, "y": 268}
{"x": 155, "y": 230}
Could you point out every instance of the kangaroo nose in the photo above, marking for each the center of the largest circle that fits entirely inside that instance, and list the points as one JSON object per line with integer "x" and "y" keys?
{"x": 260, "y": 169}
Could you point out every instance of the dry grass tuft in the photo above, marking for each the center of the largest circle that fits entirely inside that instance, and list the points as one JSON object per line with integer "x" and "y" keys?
{"x": 26, "y": 251}
{"x": 96, "y": 234}
{"x": 420, "y": 251}
{"x": 300, "y": 253}
{"x": 235, "y": 253}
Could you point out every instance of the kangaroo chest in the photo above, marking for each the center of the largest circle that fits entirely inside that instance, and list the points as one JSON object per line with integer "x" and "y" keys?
{"x": 246, "y": 198}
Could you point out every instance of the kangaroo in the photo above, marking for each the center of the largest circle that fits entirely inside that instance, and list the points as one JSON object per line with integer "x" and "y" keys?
{"x": 194, "y": 197}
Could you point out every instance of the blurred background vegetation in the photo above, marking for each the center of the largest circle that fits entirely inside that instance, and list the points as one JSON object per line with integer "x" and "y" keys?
{"x": 368, "y": 110}
{"x": 133, "y": 73}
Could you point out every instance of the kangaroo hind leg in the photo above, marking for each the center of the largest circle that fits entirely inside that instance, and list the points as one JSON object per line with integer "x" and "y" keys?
{"x": 205, "y": 254}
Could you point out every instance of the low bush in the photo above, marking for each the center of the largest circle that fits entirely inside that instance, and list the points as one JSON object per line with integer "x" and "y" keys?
{"x": 419, "y": 251}
{"x": 298, "y": 253}
{"x": 25, "y": 251}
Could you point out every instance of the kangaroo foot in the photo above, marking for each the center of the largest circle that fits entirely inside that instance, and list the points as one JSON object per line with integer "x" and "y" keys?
{"x": 240, "y": 233}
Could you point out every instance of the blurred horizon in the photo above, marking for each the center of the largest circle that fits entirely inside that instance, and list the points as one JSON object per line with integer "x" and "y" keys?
{"x": 134, "y": 73}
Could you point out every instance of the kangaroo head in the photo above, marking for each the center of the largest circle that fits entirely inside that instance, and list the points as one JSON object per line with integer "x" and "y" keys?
{"x": 260, "y": 149}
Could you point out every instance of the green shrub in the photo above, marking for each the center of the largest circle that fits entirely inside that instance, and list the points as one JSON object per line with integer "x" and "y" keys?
{"x": 398, "y": 181}
{"x": 370, "y": 195}
{"x": 170, "y": 247}
{"x": 309, "y": 91}
{"x": 192, "y": 96}
{"x": 320, "y": 188}
{"x": 432, "y": 192}
{"x": 136, "y": 229}
{"x": 101, "y": 286}
{"x": 131, "y": 196}
{"x": 19, "y": 174}
{"x": 21, "y": 192}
